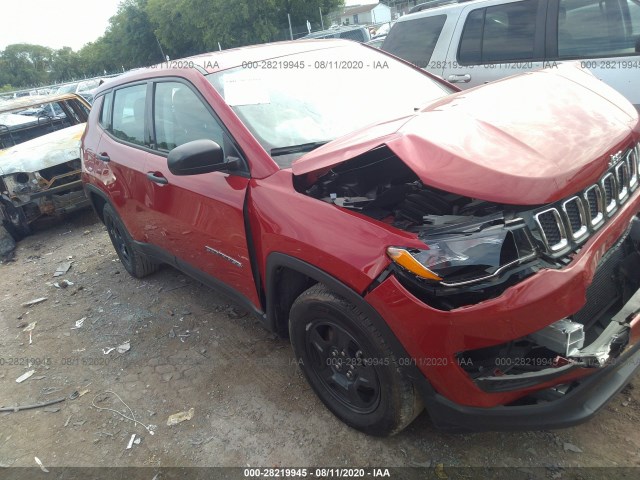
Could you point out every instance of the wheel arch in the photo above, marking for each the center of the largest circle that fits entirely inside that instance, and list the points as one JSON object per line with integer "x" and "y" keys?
{"x": 281, "y": 267}
{"x": 97, "y": 198}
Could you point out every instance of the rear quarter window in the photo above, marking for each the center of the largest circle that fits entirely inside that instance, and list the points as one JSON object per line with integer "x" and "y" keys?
{"x": 415, "y": 40}
{"x": 105, "y": 114}
{"x": 598, "y": 28}
{"x": 499, "y": 33}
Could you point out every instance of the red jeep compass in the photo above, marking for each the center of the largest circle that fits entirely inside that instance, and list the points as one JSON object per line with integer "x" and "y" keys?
{"x": 475, "y": 253}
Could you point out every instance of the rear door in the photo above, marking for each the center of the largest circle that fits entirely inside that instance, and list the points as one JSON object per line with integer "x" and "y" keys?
{"x": 495, "y": 41}
{"x": 197, "y": 218}
{"x": 122, "y": 156}
{"x": 604, "y": 35}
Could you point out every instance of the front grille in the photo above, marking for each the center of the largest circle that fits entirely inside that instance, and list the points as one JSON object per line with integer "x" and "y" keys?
{"x": 609, "y": 185}
{"x": 574, "y": 216}
{"x": 575, "y": 211}
{"x": 564, "y": 226}
{"x": 593, "y": 196}
{"x": 551, "y": 227}
{"x": 622, "y": 176}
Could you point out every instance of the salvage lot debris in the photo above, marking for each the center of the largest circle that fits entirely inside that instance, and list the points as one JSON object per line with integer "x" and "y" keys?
{"x": 79, "y": 323}
{"x": 180, "y": 417}
{"x": 35, "y": 301}
{"x": 24, "y": 376}
{"x": 62, "y": 269}
{"x": 42, "y": 467}
{"x": 105, "y": 396}
{"x": 18, "y": 408}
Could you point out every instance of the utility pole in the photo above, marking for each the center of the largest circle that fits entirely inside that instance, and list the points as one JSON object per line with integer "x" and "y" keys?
{"x": 321, "y": 21}
{"x": 290, "y": 30}
{"x": 164, "y": 57}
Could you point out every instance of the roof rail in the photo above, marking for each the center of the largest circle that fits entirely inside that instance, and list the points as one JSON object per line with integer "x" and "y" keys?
{"x": 434, "y": 3}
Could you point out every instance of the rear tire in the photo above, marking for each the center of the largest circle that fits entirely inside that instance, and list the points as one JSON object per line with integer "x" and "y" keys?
{"x": 349, "y": 365}
{"x": 135, "y": 262}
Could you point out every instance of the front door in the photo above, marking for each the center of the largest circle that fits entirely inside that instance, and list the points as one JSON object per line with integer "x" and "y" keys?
{"x": 197, "y": 218}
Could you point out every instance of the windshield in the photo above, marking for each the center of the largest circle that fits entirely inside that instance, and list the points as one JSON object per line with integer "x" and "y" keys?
{"x": 296, "y": 103}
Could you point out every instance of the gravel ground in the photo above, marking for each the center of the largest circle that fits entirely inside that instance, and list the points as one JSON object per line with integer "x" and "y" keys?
{"x": 191, "y": 348}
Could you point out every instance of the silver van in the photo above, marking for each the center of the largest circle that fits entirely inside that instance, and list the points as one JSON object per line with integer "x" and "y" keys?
{"x": 473, "y": 42}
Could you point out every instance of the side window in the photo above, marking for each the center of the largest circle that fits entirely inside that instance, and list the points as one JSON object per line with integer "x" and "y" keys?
{"x": 105, "y": 115}
{"x": 128, "y": 113}
{"x": 500, "y": 33}
{"x": 180, "y": 117}
{"x": 598, "y": 28}
{"x": 415, "y": 40}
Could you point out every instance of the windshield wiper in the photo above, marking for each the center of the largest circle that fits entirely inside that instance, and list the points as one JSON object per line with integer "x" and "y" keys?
{"x": 305, "y": 147}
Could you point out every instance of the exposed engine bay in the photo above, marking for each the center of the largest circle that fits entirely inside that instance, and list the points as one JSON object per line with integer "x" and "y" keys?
{"x": 381, "y": 186}
{"x": 471, "y": 242}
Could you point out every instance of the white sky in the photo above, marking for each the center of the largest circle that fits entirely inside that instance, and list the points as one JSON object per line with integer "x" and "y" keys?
{"x": 54, "y": 23}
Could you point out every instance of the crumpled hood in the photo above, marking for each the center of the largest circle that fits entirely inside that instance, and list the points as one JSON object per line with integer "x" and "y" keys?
{"x": 42, "y": 152}
{"x": 526, "y": 140}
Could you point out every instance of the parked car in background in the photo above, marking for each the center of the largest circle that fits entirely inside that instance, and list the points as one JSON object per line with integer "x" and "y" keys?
{"x": 475, "y": 42}
{"x": 39, "y": 159}
{"x": 358, "y": 33}
{"x": 87, "y": 88}
{"x": 67, "y": 88}
{"x": 473, "y": 252}
{"x": 376, "y": 42}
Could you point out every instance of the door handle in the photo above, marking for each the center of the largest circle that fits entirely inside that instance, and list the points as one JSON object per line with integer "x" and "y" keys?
{"x": 157, "y": 177}
{"x": 103, "y": 157}
{"x": 465, "y": 78}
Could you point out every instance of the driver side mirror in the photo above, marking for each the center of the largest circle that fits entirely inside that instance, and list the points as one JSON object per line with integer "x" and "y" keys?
{"x": 199, "y": 156}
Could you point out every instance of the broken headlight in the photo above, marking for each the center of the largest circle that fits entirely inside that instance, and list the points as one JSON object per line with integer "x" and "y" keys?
{"x": 459, "y": 257}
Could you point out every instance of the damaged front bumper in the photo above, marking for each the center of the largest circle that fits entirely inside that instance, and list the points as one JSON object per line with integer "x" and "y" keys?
{"x": 580, "y": 374}
{"x": 43, "y": 194}
{"x": 558, "y": 397}
{"x": 607, "y": 350}
{"x": 61, "y": 199}
{"x": 582, "y": 400}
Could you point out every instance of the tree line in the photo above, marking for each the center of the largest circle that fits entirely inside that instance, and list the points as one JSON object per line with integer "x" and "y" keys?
{"x": 142, "y": 31}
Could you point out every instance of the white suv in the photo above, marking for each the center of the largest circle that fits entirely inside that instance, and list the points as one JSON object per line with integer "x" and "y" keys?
{"x": 474, "y": 42}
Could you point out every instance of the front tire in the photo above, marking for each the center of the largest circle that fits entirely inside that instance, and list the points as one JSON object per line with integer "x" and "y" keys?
{"x": 135, "y": 262}
{"x": 349, "y": 365}
{"x": 15, "y": 221}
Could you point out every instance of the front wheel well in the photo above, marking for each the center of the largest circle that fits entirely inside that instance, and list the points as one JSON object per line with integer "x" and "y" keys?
{"x": 288, "y": 284}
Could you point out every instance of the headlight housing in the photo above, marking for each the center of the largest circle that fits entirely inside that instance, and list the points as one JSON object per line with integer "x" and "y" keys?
{"x": 21, "y": 183}
{"x": 456, "y": 258}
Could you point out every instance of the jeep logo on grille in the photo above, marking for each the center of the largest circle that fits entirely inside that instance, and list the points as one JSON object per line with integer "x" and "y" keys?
{"x": 615, "y": 159}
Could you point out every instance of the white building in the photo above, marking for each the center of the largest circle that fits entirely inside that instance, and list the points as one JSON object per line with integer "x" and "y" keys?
{"x": 365, "y": 14}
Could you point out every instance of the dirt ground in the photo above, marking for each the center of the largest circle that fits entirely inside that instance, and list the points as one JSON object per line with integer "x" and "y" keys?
{"x": 191, "y": 348}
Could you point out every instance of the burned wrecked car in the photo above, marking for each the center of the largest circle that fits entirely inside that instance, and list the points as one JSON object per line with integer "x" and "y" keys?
{"x": 39, "y": 158}
{"x": 474, "y": 253}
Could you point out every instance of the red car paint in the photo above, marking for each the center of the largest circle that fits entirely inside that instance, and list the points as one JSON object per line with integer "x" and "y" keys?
{"x": 495, "y": 142}
{"x": 469, "y": 135}
{"x": 521, "y": 310}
